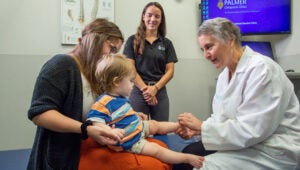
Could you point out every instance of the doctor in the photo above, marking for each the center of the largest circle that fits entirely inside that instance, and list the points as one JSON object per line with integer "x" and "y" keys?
{"x": 256, "y": 121}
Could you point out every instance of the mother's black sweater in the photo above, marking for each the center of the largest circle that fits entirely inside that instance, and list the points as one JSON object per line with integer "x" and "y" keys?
{"x": 58, "y": 87}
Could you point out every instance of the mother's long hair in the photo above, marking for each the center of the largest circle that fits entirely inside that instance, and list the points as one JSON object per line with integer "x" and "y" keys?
{"x": 89, "y": 49}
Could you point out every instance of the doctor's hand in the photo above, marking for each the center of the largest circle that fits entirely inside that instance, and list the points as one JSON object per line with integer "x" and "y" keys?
{"x": 189, "y": 120}
{"x": 185, "y": 132}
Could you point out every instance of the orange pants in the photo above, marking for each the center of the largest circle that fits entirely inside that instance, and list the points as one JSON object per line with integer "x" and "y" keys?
{"x": 93, "y": 156}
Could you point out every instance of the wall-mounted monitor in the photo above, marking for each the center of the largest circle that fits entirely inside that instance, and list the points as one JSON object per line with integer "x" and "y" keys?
{"x": 253, "y": 17}
{"x": 263, "y": 47}
{"x": 295, "y": 79}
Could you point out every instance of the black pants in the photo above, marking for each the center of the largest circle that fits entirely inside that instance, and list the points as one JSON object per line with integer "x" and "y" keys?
{"x": 196, "y": 148}
{"x": 159, "y": 112}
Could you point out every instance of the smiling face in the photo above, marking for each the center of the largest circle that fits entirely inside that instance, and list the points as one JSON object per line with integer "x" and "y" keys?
{"x": 215, "y": 50}
{"x": 152, "y": 18}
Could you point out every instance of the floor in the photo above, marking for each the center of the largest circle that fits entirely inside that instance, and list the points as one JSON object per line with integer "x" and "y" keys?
{"x": 17, "y": 159}
{"x": 14, "y": 159}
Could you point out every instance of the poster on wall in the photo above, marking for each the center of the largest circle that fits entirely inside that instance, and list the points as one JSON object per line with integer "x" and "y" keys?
{"x": 75, "y": 14}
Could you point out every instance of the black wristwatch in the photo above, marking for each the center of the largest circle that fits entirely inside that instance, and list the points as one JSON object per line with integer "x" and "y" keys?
{"x": 83, "y": 127}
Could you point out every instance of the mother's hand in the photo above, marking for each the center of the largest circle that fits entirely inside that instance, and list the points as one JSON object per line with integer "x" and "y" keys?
{"x": 104, "y": 134}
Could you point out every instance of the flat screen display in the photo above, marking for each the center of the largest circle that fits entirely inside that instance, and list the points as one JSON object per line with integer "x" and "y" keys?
{"x": 251, "y": 16}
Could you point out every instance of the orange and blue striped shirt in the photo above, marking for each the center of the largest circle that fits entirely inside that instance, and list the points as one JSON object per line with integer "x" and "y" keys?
{"x": 116, "y": 110}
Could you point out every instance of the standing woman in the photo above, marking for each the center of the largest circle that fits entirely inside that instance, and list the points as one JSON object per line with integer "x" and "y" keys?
{"x": 153, "y": 56}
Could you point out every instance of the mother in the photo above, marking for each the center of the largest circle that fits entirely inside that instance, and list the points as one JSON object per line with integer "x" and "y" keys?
{"x": 64, "y": 92}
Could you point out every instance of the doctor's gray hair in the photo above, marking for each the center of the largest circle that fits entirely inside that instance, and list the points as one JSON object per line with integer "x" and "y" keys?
{"x": 221, "y": 29}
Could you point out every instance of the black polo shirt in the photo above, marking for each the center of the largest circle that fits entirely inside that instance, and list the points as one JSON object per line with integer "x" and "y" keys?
{"x": 151, "y": 66}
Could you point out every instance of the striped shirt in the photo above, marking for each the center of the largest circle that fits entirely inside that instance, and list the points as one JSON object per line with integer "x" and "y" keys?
{"x": 117, "y": 111}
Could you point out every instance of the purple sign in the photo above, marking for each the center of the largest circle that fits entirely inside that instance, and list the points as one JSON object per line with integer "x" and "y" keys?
{"x": 252, "y": 16}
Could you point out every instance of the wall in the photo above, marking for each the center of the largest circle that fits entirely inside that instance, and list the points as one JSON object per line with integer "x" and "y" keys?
{"x": 30, "y": 35}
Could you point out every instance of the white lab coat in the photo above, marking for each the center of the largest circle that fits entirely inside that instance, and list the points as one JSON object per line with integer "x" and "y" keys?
{"x": 255, "y": 123}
